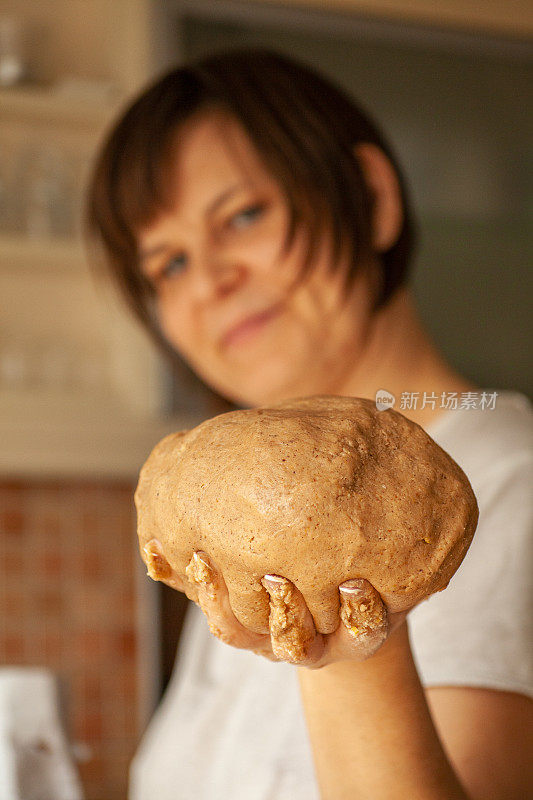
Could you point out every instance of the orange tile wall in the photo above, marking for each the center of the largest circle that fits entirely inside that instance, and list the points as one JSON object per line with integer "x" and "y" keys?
{"x": 67, "y": 601}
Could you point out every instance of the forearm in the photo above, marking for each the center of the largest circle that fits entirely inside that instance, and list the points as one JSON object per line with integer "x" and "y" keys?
{"x": 371, "y": 730}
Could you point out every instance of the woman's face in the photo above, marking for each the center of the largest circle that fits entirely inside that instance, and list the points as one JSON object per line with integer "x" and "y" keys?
{"x": 224, "y": 288}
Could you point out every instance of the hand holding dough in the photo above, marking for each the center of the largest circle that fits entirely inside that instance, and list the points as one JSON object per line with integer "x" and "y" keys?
{"x": 320, "y": 491}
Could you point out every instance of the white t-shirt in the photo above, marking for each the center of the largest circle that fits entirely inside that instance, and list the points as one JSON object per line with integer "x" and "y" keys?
{"x": 231, "y": 724}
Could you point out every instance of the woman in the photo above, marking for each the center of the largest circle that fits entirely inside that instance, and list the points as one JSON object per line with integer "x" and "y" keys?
{"x": 258, "y": 224}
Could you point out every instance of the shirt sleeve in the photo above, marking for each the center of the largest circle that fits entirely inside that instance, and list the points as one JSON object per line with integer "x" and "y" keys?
{"x": 479, "y": 631}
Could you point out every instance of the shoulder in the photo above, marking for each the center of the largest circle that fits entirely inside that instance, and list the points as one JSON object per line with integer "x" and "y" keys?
{"x": 490, "y": 444}
{"x": 495, "y": 450}
{"x": 478, "y": 632}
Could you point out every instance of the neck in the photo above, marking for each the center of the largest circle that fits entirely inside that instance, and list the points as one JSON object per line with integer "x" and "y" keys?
{"x": 399, "y": 356}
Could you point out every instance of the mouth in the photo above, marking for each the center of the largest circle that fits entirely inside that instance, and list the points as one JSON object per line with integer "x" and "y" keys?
{"x": 248, "y": 327}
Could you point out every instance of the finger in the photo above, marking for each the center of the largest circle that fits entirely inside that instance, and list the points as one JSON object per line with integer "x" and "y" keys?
{"x": 362, "y": 609}
{"x": 213, "y": 599}
{"x": 159, "y": 569}
{"x": 323, "y": 605}
{"x": 248, "y": 600}
{"x": 364, "y": 624}
{"x": 292, "y": 630}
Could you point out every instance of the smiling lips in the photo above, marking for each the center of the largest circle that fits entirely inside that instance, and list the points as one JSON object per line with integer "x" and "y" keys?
{"x": 249, "y": 326}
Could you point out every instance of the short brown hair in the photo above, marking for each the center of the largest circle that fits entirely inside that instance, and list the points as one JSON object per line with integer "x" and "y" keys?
{"x": 303, "y": 127}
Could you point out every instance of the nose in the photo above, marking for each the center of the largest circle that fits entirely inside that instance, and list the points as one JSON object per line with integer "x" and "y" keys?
{"x": 215, "y": 278}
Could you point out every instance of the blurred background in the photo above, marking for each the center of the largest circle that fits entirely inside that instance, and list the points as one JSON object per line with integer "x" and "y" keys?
{"x": 83, "y": 395}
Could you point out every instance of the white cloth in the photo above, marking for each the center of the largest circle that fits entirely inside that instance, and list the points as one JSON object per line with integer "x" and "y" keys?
{"x": 35, "y": 762}
{"x": 479, "y": 631}
{"x": 231, "y": 724}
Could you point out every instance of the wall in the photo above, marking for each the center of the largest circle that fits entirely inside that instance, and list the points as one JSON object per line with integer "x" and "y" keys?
{"x": 68, "y": 561}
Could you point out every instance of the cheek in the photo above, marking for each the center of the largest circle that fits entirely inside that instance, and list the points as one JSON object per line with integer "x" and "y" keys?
{"x": 264, "y": 255}
{"x": 181, "y": 326}
{"x": 178, "y": 325}
{"x": 332, "y": 328}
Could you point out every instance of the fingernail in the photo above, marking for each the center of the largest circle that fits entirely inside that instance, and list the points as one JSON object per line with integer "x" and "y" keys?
{"x": 156, "y": 563}
{"x": 273, "y": 583}
{"x": 353, "y": 587}
{"x": 199, "y": 570}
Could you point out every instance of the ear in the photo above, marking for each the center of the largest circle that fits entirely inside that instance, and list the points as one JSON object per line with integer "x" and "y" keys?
{"x": 383, "y": 183}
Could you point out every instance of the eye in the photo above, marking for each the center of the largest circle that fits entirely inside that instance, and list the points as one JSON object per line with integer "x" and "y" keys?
{"x": 174, "y": 266}
{"x": 245, "y": 217}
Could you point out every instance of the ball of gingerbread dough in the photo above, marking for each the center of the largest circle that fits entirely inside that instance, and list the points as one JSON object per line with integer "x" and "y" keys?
{"x": 317, "y": 490}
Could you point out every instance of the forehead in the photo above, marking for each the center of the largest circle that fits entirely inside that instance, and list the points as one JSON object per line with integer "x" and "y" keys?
{"x": 210, "y": 157}
{"x": 210, "y": 151}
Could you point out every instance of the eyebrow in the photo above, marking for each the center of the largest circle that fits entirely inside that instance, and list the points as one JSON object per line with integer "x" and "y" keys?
{"x": 145, "y": 255}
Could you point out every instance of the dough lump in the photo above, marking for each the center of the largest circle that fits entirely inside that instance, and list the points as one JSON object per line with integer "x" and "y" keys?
{"x": 317, "y": 490}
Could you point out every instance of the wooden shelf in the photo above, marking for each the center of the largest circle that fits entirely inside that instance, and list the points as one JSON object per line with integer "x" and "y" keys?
{"x": 49, "y": 105}
{"x": 50, "y": 434}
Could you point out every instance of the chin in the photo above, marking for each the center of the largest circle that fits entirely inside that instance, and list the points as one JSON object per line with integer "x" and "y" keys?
{"x": 252, "y": 396}
{"x": 268, "y": 386}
